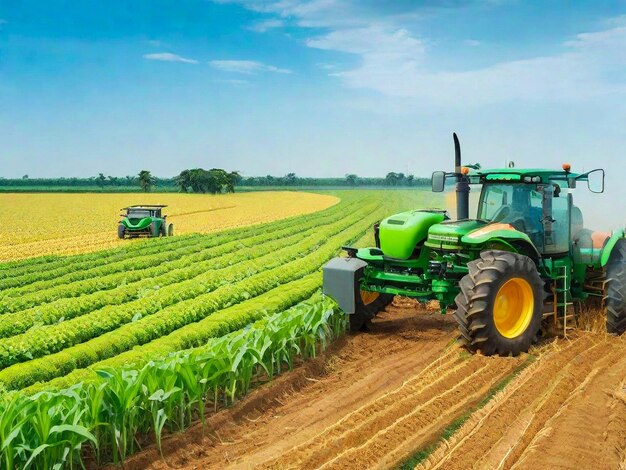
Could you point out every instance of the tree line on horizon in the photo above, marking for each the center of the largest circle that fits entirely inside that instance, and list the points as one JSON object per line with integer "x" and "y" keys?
{"x": 213, "y": 181}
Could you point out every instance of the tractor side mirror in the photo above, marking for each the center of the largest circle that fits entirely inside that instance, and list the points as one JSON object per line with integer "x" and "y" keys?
{"x": 595, "y": 181}
{"x": 438, "y": 181}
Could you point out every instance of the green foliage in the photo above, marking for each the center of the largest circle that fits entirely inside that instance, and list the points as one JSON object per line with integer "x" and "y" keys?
{"x": 217, "y": 290}
{"x": 145, "y": 180}
{"x": 214, "y": 181}
{"x": 48, "y": 429}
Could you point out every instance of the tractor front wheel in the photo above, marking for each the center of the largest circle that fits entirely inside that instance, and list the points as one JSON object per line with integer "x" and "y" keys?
{"x": 615, "y": 299}
{"x": 121, "y": 231}
{"x": 367, "y": 305}
{"x": 500, "y": 306}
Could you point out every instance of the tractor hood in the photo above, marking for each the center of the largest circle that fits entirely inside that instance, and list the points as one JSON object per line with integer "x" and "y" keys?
{"x": 448, "y": 235}
{"x": 400, "y": 233}
{"x": 137, "y": 224}
{"x": 451, "y": 235}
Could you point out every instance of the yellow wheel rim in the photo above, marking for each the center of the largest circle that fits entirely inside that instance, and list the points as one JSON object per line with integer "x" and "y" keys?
{"x": 513, "y": 307}
{"x": 368, "y": 297}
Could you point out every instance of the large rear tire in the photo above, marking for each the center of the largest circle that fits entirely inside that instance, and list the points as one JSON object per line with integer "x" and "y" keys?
{"x": 500, "y": 306}
{"x": 170, "y": 230}
{"x": 615, "y": 299}
{"x": 367, "y": 305}
{"x": 121, "y": 231}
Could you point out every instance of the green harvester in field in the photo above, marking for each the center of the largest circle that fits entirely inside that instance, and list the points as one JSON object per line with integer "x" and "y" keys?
{"x": 525, "y": 259}
{"x": 144, "y": 221}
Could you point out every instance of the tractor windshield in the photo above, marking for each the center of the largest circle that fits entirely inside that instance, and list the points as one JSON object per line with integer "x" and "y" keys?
{"x": 540, "y": 211}
{"x": 517, "y": 204}
{"x": 138, "y": 214}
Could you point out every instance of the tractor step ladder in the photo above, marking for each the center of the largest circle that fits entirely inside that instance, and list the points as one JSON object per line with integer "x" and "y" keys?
{"x": 560, "y": 291}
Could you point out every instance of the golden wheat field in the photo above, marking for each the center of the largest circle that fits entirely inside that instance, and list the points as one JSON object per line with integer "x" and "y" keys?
{"x": 62, "y": 224}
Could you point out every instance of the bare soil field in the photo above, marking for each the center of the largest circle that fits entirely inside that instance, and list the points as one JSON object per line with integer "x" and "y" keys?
{"x": 377, "y": 399}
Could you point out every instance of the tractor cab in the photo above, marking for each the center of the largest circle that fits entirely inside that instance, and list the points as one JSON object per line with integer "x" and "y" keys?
{"x": 535, "y": 206}
{"x": 137, "y": 213}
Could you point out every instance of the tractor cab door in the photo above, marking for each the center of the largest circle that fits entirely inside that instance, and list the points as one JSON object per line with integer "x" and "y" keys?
{"x": 556, "y": 220}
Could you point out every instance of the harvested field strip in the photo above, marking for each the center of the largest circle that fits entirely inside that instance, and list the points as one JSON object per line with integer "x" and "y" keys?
{"x": 455, "y": 425}
{"x": 383, "y": 432}
{"x": 521, "y": 420}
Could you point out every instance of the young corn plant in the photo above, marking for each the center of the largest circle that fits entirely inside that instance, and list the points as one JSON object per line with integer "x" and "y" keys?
{"x": 114, "y": 413}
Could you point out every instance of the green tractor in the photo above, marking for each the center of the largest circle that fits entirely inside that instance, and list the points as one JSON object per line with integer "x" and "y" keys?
{"x": 144, "y": 221}
{"x": 526, "y": 257}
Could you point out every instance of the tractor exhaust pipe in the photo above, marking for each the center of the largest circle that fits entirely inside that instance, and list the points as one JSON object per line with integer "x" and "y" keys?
{"x": 462, "y": 185}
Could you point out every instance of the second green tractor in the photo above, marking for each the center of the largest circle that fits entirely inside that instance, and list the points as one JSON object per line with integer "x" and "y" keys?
{"x": 526, "y": 256}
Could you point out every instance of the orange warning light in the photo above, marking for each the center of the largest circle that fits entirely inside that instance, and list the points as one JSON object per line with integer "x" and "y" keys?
{"x": 465, "y": 170}
{"x": 567, "y": 167}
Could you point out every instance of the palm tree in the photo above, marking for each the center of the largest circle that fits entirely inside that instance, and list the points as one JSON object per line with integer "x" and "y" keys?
{"x": 146, "y": 180}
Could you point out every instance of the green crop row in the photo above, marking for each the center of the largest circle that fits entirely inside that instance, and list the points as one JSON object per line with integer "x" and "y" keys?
{"x": 49, "y": 429}
{"x": 100, "y": 284}
{"x": 66, "y": 308}
{"x": 195, "y": 334}
{"x": 51, "y": 339}
{"x": 166, "y": 320}
{"x": 168, "y": 288}
{"x": 44, "y": 279}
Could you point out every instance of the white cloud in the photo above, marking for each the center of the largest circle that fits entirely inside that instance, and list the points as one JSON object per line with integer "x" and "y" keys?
{"x": 266, "y": 25}
{"x": 593, "y": 65}
{"x": 394, "y": 61}
{"x": 169, "y": 57}
{"x": 247, "y": 67}
{"x": 235, "y": 82}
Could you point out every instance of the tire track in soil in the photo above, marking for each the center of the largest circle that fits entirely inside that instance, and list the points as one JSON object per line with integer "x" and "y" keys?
{"x": 553, "y": 415}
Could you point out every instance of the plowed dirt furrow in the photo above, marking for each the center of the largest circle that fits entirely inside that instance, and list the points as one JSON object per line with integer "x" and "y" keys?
{"x": 590, "y": 429}
{"x": 390, "y": 444}
{"x": 349, "y": 431}
{"x": 498, "y": 435}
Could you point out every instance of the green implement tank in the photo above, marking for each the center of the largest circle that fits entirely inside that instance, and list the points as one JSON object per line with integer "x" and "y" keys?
{"x": 526, "y": 256}
{"x": 144, "y": 221}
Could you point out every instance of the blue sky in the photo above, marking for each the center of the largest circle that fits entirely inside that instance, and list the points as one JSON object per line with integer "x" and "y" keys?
{"x": 318, "y": 87}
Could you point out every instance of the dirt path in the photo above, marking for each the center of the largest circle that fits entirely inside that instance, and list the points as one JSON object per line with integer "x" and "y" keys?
{"x": 381, "y": 396}
{"x": 567, "y": 410}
